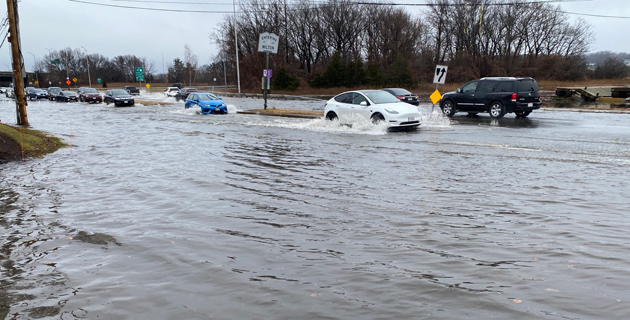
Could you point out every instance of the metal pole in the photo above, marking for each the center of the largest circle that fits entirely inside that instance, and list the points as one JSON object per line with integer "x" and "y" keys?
{"x": 163, "y": 67}
{"x": 34, "y": 69}
{"x": 87, "y": 57}
{"x": 223, "y": 58}
{"x": 238, "y": 72}
{"x": 266, "y": 80}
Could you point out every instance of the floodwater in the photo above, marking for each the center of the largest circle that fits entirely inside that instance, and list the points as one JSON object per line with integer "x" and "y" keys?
{"x": 157, "y": 212}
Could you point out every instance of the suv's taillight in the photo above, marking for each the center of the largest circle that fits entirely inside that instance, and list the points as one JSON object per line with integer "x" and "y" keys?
{"x": 514, "y": 96}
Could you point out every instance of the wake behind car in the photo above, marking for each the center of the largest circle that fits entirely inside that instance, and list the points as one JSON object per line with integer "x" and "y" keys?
{"x": 119, "y": 97}
{"x": 90, "y": 95}
{"x": 375, "y": 105}
{"x": 496, "y": 96}
{"x": 208, "y": 102}
{"x": 66, "y": 96}
{"x": 404, "y": 95}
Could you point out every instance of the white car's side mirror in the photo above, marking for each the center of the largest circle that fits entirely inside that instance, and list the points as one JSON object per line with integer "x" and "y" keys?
{"x": 363, "y": 103}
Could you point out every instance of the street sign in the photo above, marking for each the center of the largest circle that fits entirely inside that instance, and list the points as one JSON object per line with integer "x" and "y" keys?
{"x": 435, "y": 96}
{"x": 267, "y": 73}
{"x": 268, "y": 42}
{"x": 148, "y": 86}
{"x": 139, "y": 74}
{"x": 36, "y": 82}
{"x": 55, "y": 61}
{"x": 440, "y": 74}
{"x": 68, "y": 82}
{"x": 75, "y": 80}
{"x": 98, "y": 80}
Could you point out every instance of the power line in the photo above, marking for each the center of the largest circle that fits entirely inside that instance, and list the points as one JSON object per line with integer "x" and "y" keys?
{"x": 150, "y": 9}
{"x": 359, "y": 3}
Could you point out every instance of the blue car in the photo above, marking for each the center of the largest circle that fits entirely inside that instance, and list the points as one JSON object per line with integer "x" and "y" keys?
{"x": 208, "y": 102}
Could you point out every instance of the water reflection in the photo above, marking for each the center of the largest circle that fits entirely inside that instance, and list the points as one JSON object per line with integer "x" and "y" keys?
{"x": 506, "y": 122}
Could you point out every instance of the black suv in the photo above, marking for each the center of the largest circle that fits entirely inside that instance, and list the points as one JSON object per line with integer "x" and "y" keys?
{"x": 183, "y": 93}
{"x": 132, "y": 90}
{"x": 53, "y": 92}
{"x": 496, "y": 96}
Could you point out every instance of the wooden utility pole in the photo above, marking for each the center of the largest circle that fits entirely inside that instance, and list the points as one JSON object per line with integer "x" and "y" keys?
{"x": 18, "y": 83}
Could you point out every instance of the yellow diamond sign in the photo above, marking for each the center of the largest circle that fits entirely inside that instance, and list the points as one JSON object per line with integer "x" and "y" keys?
{"x": 435, "y": 97}
{"x": 148, "y": 86}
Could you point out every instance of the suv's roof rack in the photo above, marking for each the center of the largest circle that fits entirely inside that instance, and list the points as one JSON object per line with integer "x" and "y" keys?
{"x": 498, "y": 78}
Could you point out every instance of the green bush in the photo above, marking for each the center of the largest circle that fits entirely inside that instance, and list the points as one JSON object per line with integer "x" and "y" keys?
{"x": 285, "y": 81}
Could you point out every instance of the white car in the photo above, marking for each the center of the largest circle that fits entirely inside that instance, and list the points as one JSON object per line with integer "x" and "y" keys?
{"x": 171, "y": 91}
{"x": 374, "y": 105}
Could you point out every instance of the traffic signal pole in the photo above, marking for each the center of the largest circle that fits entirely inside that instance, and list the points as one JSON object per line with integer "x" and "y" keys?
{"x": 18, "y": 83}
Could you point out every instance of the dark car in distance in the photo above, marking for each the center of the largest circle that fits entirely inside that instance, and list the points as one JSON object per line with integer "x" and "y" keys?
{"x": 404, "y": 95}
{"x": 496, "y": 96}
{"x": 183, "y": 93}
{"x": 37, "y": 94}
{"x": 178, "y": 85}
{"x": 119, "y": 97}
{"x": 66, "y": 96}
{"x": 132, "y": 90}
{"x": 90, "y": 95}
{"x": 52, "y": 92}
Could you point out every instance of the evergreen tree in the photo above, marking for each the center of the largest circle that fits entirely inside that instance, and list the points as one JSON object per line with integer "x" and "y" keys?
{"x": 399, "y": 74}
{"x": 285, "y": 81}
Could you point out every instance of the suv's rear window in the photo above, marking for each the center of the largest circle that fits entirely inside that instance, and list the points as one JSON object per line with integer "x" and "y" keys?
{"x": 527, "y": 85}
{"x": 504, "y": 86}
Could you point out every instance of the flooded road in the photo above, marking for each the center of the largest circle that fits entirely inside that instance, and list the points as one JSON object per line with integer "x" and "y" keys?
{"x": 157, "y": 212}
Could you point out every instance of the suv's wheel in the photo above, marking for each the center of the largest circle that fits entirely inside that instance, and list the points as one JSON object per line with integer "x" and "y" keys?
{"x": 448, "y": 108}
{"x": 496, "y": 110}
{"x": 522, "y": 114}
{"x": 377, "y": 118}
{"x": 331, "y": 116}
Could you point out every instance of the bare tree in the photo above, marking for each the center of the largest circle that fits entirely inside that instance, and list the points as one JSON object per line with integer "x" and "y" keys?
{"x": 190, "y": 61}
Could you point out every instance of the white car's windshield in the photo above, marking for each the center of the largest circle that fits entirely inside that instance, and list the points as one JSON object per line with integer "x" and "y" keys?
{"x": 379, "y": 97}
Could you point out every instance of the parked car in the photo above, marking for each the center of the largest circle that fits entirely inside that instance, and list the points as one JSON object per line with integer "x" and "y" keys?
{"x": 496, "y": 96}
{"x": 9, "y": 93}
{"x": 208, "y": 102}
{"x": 183, "y": 93}
{"x": 37, "y": 94}
{"x": 90, "y": 95}
{"x": 27, "y": 90}
{"x": 171, "y": 91}
{"x": 404, "y": 95}
{"x": 3, "y": 90}
{"x": 52, "y": 92}
{"x": 132, "y": 90}
{"x": 67, "y": 96}
{"x": 119, "y": 97}
{"x": 375, "y": 105}
{"x": 80, "y": 90}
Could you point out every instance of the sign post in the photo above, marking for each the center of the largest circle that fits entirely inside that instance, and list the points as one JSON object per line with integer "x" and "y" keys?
{"x": 439, "y": 77}
{"x": 267, "y": 43}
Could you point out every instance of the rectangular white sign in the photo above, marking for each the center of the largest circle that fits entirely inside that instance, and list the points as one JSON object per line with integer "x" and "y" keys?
{"x": 268, "y": 42}
{"x": 440, "y": 74}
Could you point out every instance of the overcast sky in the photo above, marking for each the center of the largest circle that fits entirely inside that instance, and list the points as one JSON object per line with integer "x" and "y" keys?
{"x": 160, "y": 36}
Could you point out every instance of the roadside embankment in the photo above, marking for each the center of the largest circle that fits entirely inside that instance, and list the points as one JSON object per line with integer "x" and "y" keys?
{"x": 21, "y": 143}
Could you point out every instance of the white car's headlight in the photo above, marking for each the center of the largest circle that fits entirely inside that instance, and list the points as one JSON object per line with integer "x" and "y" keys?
{"x": 391, "y": 111}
